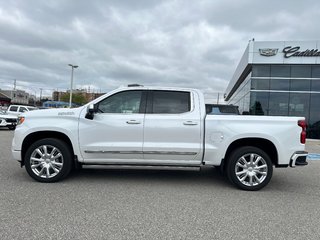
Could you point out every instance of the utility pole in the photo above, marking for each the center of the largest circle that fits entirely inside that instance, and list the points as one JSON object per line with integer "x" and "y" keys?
{"x": 218, "y": 98}
{"x": 14, "y": 84}
{"x": 72, "y": 67}
{"x": 40, "y": 95}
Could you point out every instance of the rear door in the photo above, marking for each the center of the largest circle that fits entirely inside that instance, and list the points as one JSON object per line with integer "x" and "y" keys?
{"x": 172, "y": 128}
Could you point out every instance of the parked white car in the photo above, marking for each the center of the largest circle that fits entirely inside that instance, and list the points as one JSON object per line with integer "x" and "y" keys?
{"x": 7, "y": 120}
{"x": 18, "y": 109}
{"x": 157, "y": 127}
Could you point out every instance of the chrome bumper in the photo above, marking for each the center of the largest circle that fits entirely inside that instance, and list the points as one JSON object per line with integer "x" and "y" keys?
{"x": 299, "y": 159}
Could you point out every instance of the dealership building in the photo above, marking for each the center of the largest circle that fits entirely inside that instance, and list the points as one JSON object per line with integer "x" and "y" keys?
{"x": 280, "y": 78}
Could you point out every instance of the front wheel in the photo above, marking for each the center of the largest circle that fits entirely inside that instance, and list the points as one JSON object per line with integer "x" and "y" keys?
{"x": 249, "y": 168}
{"x": 12, "y": 127}
{"x": 48, "y": 160}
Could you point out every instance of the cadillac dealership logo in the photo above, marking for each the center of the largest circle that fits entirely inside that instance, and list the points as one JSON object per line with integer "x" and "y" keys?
{"x": 290, "y": 51}
{"x": 268, "y": 52}
{"x": 296, "y": 52}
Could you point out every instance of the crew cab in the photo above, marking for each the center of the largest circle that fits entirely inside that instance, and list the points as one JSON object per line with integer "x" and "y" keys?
{"x": 157, "y": 127}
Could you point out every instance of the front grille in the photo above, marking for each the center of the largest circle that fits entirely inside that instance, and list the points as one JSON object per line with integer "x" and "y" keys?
{"x": 9, "y": 120}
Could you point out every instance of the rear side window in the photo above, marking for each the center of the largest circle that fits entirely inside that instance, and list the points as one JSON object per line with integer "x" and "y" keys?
{"x": 221, "y": 109}
{"x": 13, "y": 108}
{"x": 170, "y": 102}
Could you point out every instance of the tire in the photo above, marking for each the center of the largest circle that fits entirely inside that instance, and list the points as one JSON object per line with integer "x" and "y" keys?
{"x": 48, "y": 160}
{"x": 249, "y": 168}
{"x": 12, "y": 127}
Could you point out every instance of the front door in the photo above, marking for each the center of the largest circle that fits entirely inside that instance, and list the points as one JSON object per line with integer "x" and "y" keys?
{"x": 115, "y": 135}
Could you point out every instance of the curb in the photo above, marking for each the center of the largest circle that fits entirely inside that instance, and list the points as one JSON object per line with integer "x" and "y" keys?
{"x": 313, "y": 156}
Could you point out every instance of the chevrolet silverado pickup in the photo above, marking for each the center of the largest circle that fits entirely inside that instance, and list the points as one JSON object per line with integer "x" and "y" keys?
{"x": 156, "y": 127}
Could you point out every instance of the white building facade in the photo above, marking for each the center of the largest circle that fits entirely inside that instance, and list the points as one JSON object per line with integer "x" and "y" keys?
{"x": 280, "y": 78}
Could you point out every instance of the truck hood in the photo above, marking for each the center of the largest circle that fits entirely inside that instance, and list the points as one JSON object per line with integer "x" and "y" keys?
{"x": 57, "y": 112}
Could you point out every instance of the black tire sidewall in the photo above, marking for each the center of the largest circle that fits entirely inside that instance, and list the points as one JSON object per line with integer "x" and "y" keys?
{"x": 235, "y": 155}
{"x": 65, "y": 151}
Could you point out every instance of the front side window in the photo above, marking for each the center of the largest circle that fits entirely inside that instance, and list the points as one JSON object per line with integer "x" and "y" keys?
{"x": 123, "y": 102}
{"x": 13, "y": 108}
{"x": 170, "y": 102}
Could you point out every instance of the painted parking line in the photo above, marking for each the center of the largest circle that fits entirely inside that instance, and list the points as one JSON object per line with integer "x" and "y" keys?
{"x": 313, "y": 156}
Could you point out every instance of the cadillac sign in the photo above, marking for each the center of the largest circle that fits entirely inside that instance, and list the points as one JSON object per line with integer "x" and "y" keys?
{"x": 296, "y": 52}
{"x": 268, "y": 52}
{"x": 290, "y": 51}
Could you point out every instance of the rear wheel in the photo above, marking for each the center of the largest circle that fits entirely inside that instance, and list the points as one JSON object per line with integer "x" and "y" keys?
{"x": 249, "y": 168}
{"x": 48, "y": 160}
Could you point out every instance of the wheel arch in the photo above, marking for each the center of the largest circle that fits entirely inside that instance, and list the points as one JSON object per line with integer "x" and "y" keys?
{"x": 35, "y": 136}
{"x": 264, "y": 144}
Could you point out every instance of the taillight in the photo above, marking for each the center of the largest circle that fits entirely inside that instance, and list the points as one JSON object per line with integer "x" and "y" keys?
{"x": 303, "y": 134}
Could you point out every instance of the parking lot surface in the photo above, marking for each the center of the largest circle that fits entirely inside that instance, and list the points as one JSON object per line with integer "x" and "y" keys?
{"x": 136, "y": 204}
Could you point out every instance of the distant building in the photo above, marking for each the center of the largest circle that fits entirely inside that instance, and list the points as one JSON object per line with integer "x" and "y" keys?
{"x": 17, "y": 96}
{"x": 4, "y": 100}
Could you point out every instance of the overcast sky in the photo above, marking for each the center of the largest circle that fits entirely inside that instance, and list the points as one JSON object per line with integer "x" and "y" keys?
{"x": 169, "y": 43}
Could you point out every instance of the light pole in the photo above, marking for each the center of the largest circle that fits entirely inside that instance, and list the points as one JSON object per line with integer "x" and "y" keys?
{"x": 72, "y": 67}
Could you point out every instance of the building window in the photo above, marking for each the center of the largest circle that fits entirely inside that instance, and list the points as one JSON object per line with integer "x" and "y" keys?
{"x": 299, "y": 104}
{"x": 280, "y": 71}
{"x": 260, "y": 84}
{"x": 300, "y": 71}
{"x": 278, "y": 104}
{"x": 279, "y": 84}
{"x": 259, "y": 103}
{"x": 313, "y": 130}
{"x": 315, "y": 85}
{"x": 316, "y": 71}
{"x": 261, "y": 71}
{"x": 300, "y": 85}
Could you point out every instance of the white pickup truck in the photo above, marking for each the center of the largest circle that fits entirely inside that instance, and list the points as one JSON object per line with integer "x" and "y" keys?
{"x": 157, "y": 127}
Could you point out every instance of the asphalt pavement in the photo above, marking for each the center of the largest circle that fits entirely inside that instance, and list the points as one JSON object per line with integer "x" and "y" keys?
{"x": 136, "y": 204}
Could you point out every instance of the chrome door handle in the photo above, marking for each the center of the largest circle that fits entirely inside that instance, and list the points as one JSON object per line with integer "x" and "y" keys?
{"x": 190, "y": 123}
{"x": 133, "y": 122}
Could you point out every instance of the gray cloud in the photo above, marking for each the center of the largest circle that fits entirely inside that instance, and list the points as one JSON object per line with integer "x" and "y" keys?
{"x": 172, "y": 43}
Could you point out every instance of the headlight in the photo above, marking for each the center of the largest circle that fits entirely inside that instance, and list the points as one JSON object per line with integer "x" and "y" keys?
{"x": 21, "y": 120}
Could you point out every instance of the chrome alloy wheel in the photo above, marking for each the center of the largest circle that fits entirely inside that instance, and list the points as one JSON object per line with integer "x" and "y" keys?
{"x": 46, "y": 161}
{"x": 251, "y": 169}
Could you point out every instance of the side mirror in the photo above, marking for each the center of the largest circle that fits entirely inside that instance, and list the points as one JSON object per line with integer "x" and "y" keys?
{"x": 91, "y": 110}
